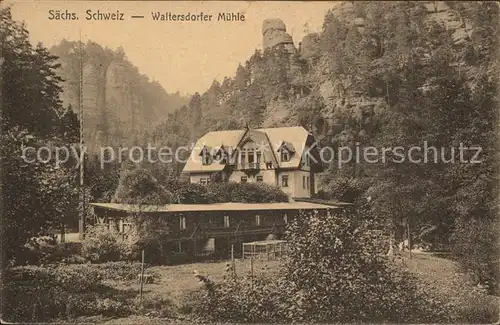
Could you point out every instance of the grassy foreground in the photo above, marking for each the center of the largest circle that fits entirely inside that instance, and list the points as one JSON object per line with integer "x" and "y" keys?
{"x": 176, "y": 282}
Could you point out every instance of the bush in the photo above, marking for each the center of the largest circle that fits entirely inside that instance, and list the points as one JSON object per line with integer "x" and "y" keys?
{"x": 345, "y": 189}
{"x": 52, "y": 252}
{"x": 139, "y": 187}
{"x": 473, "y": 243}
{"x": 157, "y": 305}
{"x": 246, "y": 192}
{"x": 188, "y": 193}
{"x": 34, "y": 293}
{"x": 104, "y": 245}
{"x": 117, "y": 271}
{"x": 38, "y": 293}
{"x": 335, "y": 272}
{"x": 219, "y": 192}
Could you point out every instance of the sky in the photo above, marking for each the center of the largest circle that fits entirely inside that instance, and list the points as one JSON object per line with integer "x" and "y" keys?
{"x": 181, "y": 56}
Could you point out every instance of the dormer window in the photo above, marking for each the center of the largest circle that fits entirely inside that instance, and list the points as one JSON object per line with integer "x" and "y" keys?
{"x": 205, "y": 154}
{"x": 206, "y": 159}
{"x": 285, "y": 156}
{"x": 223, "y": 155}
{"x": 286, "y": 150}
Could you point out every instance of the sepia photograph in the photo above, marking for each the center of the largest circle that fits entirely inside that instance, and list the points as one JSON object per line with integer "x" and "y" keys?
{"x": 249, "y": 162}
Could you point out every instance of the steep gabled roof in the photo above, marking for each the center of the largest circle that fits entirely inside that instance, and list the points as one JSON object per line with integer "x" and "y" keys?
{"x": 229, "y": 206}
{"x": 295, "y": 136}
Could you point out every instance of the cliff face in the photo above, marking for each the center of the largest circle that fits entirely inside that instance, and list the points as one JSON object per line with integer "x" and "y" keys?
{"x": 339, "y": 89}
{"x": 119, "y": 104}
{"x": 274, "y": 33}
{"x": 339, "y": 82}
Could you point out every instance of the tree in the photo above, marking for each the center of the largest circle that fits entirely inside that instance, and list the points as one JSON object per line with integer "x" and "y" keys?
{"x": 137, "y": 186}
{"x": 37, "y": 192}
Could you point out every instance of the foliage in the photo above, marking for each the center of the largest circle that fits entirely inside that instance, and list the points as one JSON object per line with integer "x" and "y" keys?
{"x": 139, "y": 187}
{"x": 246, "y": 192}
{"x": 219, "y": 192}
{"x": 472, "y": 245}
{"x": 38, "y": 194}
{"x": 336, "y": 271}
{"x": 34, "y": 293}
{"x": 37, "y": 293}
{"x": 104, "y": 245}
{"x": 345, "y": 189}
{"x": 151, "y": 233}
{"x": 54, "y": 253}
{"x": 122, "y": 271}
{"x": 157, "y": 305}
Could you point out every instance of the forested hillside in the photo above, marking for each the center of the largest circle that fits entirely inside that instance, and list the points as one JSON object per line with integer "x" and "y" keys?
{"x": 381, "y": 74}
{"x": 120, "y": 104}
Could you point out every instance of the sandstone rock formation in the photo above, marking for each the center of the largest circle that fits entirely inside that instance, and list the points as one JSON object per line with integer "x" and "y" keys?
{"x": 274, "y": 33}
{"x": 119, "y": 104}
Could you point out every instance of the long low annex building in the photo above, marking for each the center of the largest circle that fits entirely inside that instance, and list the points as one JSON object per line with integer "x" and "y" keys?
{"x": 203, "y": 229}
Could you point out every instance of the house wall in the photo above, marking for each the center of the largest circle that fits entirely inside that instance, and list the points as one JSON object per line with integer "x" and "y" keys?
{"x": 295, "y": 183}
{"x": 289, "y": 190}
{"x": 299, "y": 189}
{"x": 268, "y": 176}
{"x": 195, "y": 178}
{"x": 205, "y": 231}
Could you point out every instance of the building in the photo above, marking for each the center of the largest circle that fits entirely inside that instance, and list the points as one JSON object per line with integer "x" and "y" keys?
{"x": 204, "y": 229}
{"x": 286, "y": 157}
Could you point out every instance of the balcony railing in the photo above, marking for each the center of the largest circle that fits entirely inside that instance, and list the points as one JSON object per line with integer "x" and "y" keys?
{"x": 245, "y": 165}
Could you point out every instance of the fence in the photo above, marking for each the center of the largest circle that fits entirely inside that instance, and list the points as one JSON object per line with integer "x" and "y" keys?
{"x": 268, "y": 249}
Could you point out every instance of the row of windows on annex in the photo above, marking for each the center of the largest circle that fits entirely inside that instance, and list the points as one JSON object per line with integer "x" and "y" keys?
{"x": 122, "y": 226}
{"x": 227, "y": 221}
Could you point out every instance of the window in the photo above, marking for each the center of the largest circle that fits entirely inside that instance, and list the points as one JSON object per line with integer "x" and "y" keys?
{"x": 182, "y": 223}
{"x": 284, "y": 181}
{"x": 111, "y": 224}
{"x": 259, "y": 154}
{"x": 243, "y": 157}
{"x": 260, "y": 178}
{"x": 126, "y": 227}
{"x": 257, "y": 220}
{"x": 285, "y": 155}
{"x": 206, "y": 158}
{"x": 285, "y": 219}
{"x": 203, "y": 181}
{"x": 251, "y": 157}
{"x": 308, "y": 160}
{"x": 303, "y": 182}
{"x": 244, "y": 179}
{"x": 308, "y": 182}
{"x": 227, "y": 223}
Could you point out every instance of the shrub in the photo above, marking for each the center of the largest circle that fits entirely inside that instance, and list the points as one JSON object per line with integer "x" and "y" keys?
{"x": 53, "y": 252}
{"x": 473, "y": 243}
{"x": 219, "y": 192}
{"x": 38, "y": 293}
{"x": 139, "y": 187}
{"x": 156, "y": 305}
{"x": 335, "y": 272}
{"x": 245, "y": 192}
{"x": 34, "y": 293}
{"x": 104, "y": 245}
{"x": 117, "y": 271}
{"x": 344, "y": 188}
{"x": 192, "y": 193}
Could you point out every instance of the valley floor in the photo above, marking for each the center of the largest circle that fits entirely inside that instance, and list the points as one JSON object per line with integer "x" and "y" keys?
{"x": 174, "y": 282}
